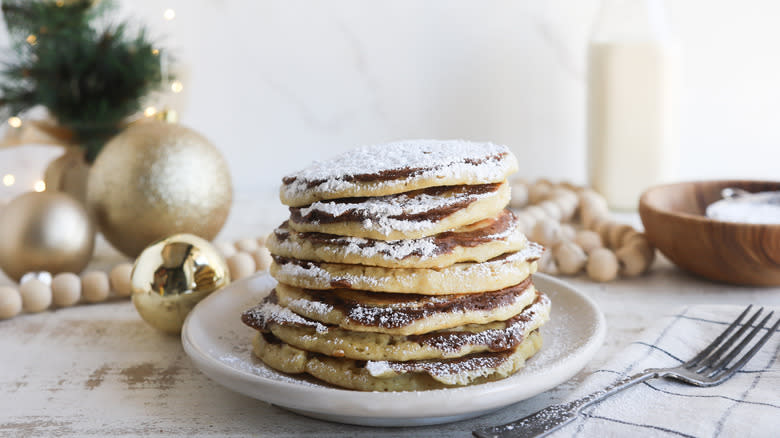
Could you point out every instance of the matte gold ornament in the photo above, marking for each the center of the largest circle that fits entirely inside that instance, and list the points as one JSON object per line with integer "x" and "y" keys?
{"x": 45, "y": 231}
{"x": 174, "y": 274}
{"x": 156, "y": 179}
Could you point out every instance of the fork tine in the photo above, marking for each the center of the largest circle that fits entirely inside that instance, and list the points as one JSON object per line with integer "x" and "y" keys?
{"x": 704, "y": 353}
{"x": 719, "y": 369}
{"x": 714, "y": 357}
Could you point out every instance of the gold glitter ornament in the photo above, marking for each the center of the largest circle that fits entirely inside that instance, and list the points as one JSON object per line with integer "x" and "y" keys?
{"x": 174, "y": 274}
{"x": 44, "y": 231}
{"x": 156, "y": 179}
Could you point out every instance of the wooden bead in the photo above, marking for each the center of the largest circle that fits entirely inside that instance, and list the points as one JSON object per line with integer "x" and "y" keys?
{"x": 593, "y": 201}
{"x": 570, "y": 258}
{"x": 119, "y": 277}
{"x": 547, "y": 263}
{"x": 226, "y": 248}
{"x": 535, "y": 212}
{"x": 241, "y": 265}
{"x": 539, "y": 191}
{"x": 262, "y": 258}
{"x": 524, "y": 222}
{"x": 247, "y": 245}
{"x": 519, "y": 196}
{"x": 634, "y": 260}
{"x": 551, "y": 210}
{"x": 94, "y": 286}
{"x": 588, "y": 240}
{"x": 36, "y": 295}
{"x": 568, "y": 232}
{"x": 602, "y": 265}
{"x": 590, "y": 220}
{"x": 616, "y": 233}
{"x": 603, "y": 229}
{"x": 66, "y": 289}
{"x": 10, "y": 302}
{"x": 546, "y": 232}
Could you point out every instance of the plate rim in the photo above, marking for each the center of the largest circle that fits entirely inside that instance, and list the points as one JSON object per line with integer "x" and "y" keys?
{"x": 492, "y": 395}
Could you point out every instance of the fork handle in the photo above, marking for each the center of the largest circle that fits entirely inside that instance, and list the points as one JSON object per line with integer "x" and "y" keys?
{"x": 554, "y": 417}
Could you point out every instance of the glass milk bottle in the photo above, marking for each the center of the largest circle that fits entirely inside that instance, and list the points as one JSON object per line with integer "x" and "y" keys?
{"x": 634, "y": 82}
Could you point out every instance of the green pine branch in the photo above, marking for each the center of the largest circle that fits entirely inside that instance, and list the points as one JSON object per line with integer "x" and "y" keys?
{"x": 90, "y": 79}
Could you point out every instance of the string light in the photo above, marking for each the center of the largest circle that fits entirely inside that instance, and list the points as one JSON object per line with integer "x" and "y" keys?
{"x": 39, "y": 186}
{"x": 150, "y": 111}
{"x": 155, "y": 52}
{"x": 169, "y": 14}
{"x": 177, "y": 86}
{"x": 60, "y": 3}
{"x": 9, "y": 180}
{"x": 15, "y": 122}
{"x": 31, "y": 39}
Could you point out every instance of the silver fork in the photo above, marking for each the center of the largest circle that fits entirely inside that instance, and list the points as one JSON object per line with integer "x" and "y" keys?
{"x": 708, "y": 368}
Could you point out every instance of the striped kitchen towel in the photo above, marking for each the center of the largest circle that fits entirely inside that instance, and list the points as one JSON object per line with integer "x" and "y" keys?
{"x": 747, "y": 405}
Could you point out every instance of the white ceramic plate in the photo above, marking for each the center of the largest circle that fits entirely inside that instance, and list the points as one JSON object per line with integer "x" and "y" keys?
{"x": 220, "y": 345}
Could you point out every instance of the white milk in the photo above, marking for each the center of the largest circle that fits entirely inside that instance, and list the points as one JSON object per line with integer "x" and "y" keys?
{"x": 633, "y": 112}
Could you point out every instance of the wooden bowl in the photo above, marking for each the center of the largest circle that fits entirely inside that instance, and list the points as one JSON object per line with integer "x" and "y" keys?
{"x": 747, "y": 254}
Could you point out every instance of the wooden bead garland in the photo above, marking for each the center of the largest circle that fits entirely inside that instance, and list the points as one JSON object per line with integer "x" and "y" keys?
{"x": 38, "y": 291}
{"x": 597, "y": 245}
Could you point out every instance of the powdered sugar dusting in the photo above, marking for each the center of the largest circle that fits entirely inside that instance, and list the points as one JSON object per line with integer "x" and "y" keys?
{"x": 273, "y": 312}
{"x": 441, "y": 159}
{"x": 531, "y": 252}
{"x": 314, "y": 273}
{"x": 384, "y": 213}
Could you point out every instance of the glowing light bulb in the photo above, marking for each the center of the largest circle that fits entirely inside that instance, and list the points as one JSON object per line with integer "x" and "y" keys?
{"x": 39, "y": 186}
{"x": 9, "y": 180}
{"x": 177, "y": 86}
{"x": 31, "y": 39}
{"x": 15, "y": 122}
{"x": 169, "y": 14}
{"x": 150, "y": 111}
{"x": 155, "y": 52}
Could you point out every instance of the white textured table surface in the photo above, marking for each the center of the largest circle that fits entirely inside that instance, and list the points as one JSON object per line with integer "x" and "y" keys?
{"x": 99, "y": 370}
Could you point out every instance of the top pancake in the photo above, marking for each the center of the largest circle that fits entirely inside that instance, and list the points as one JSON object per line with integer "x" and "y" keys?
{"x": 396, "y": 168}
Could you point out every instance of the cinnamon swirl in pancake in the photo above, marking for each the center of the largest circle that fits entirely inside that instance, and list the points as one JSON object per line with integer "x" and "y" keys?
{"x": 413, "y": 375}
{"x": 333, "y": 340}
{"x": 409, "y": 215}
{"x": 403, "y": 314}
{"x": 467, "y": 277}
{"x": 398, "y": 167}
{"x": 477, "y": 242}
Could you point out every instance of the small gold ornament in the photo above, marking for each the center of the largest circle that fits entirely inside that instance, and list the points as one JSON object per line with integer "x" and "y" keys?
{"x": 156, "y": 179}
{"x": 174, "y": 274}
{"x": 44, "y": 231}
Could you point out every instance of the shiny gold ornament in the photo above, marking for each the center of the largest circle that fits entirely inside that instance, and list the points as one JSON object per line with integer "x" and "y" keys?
{"x": 156, "y": 179}
{"x": 45, "y": 231}
{"x": 174, "y": 274}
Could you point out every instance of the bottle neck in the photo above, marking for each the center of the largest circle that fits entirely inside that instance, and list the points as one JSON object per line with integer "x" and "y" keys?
{"x": 631, "y": 20}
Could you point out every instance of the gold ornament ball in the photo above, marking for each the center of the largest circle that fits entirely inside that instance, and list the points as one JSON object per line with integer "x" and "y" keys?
{"x": 174, "y": 274}
{"x": 45, "y": 231}
{"x": 156, "y": 179}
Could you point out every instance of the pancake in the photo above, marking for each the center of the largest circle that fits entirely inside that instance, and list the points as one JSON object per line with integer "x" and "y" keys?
{"x": 467, "y": 277}
{"x": 413, "y": 375}
{"x": 403, "y": 314}
{"x": 477, "y": 242}
{"x": 408, "y": 215}
{"x": 398, "y": 167}
{"x": 310, "y": 335}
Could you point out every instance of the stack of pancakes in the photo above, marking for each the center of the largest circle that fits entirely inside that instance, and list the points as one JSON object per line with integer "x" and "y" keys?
{"x": 400, "y": 268}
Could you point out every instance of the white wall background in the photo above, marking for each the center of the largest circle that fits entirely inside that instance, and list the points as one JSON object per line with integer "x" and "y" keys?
{"x": 277, "y": 83}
